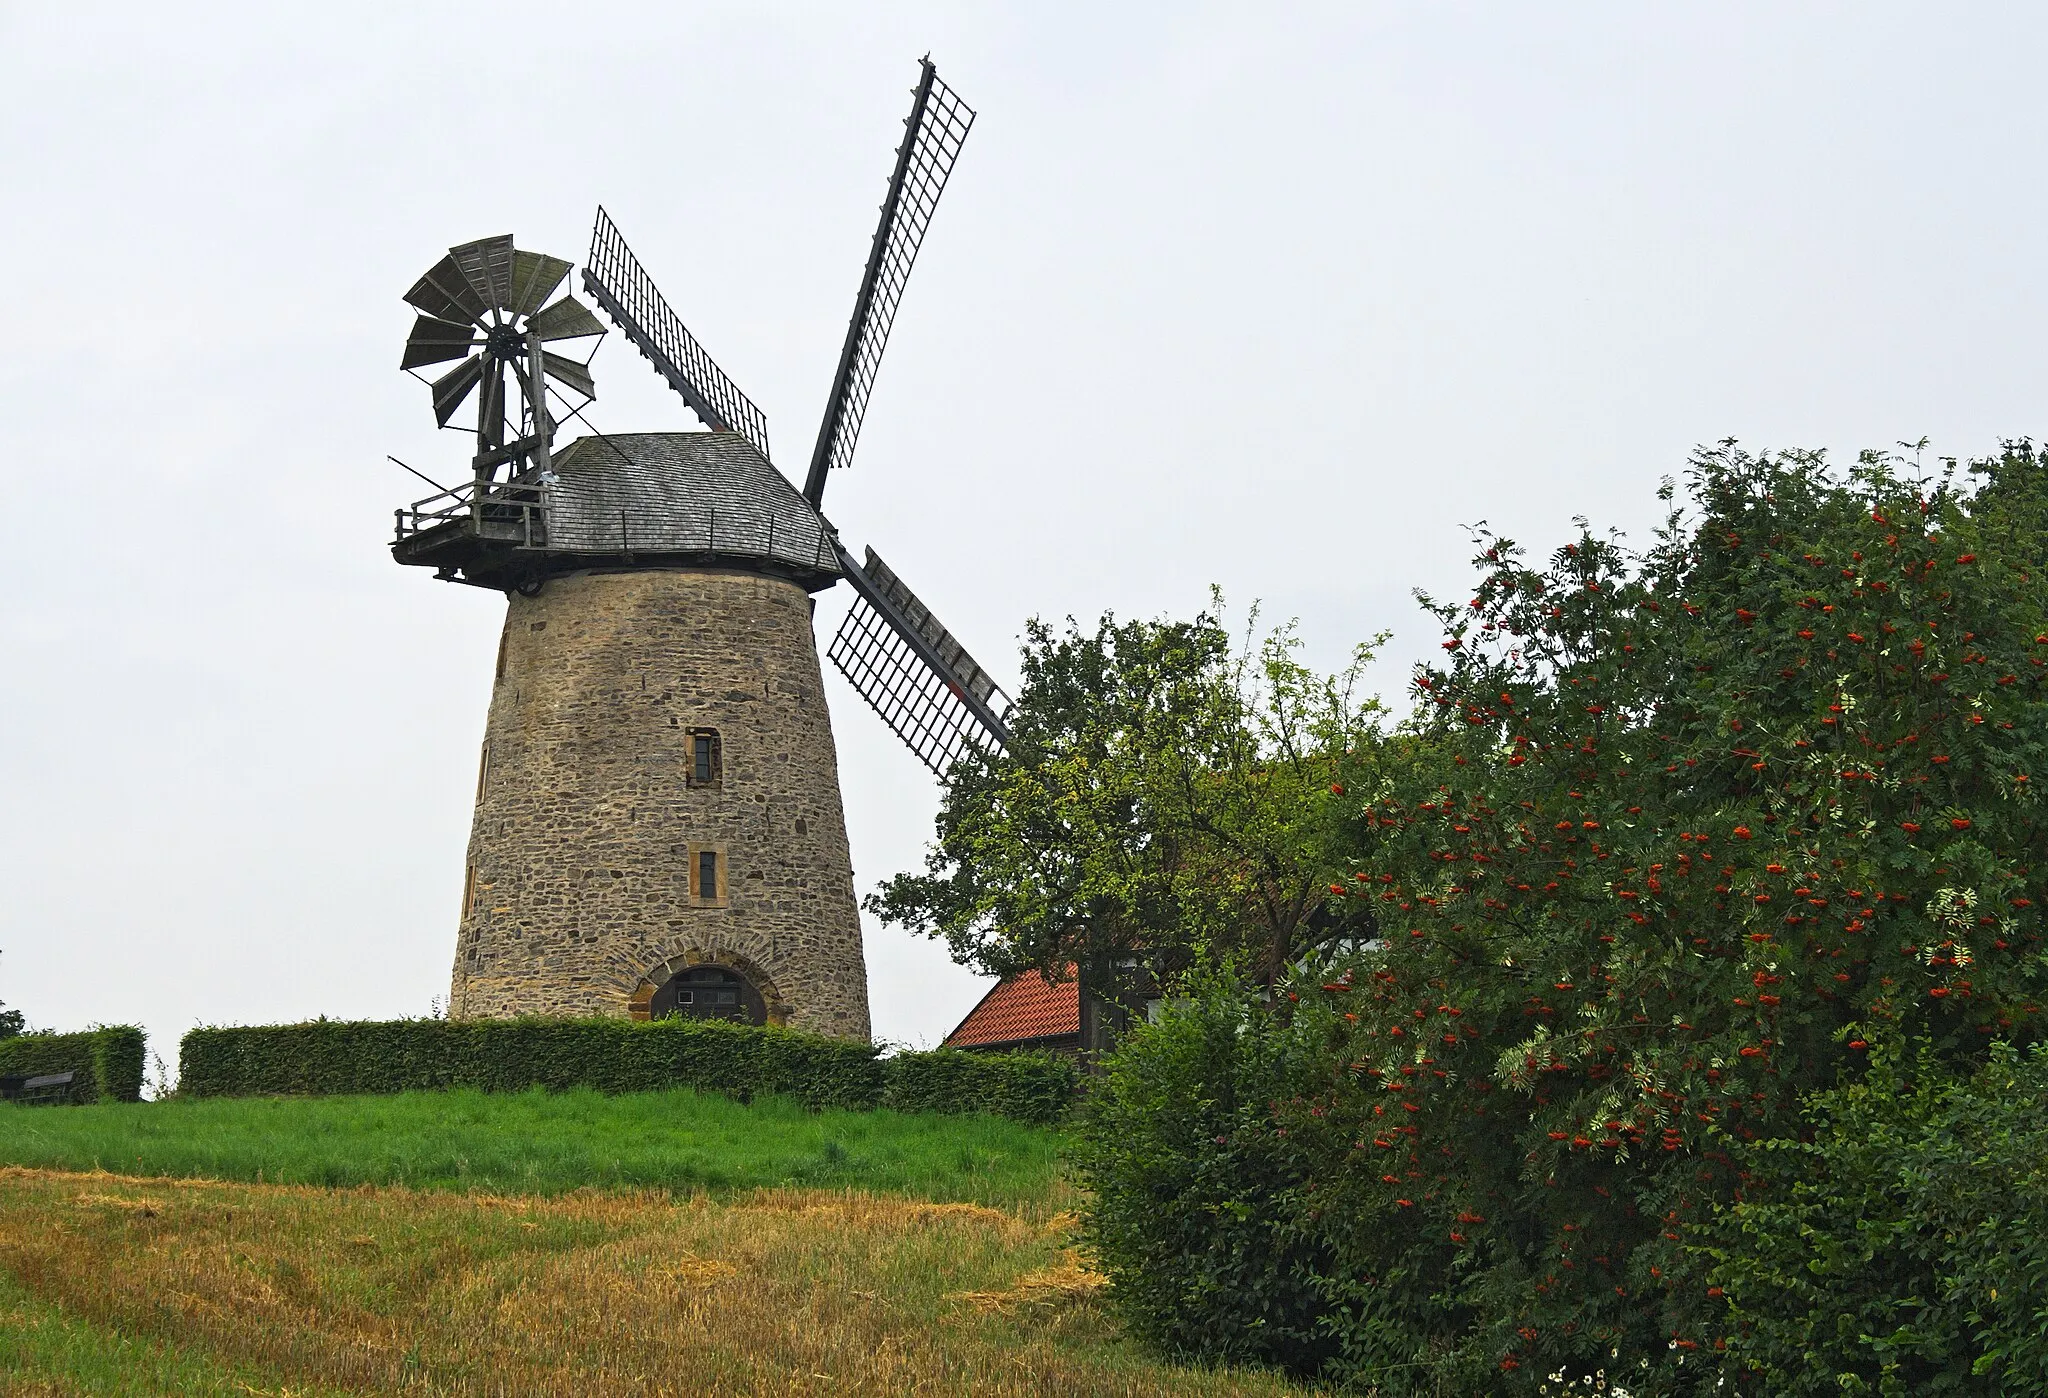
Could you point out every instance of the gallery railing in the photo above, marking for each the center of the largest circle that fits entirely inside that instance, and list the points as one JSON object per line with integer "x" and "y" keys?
{"x": 573, "y": 518}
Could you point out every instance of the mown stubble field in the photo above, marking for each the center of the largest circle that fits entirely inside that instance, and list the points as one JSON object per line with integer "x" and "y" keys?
{"x": 116, "y": 1285}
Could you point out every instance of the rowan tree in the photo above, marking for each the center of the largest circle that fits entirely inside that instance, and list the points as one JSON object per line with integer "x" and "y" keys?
{"x": 1679, "y": 837}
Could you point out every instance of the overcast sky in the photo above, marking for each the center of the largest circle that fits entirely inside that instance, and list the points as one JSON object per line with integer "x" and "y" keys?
{"x": 1280, "y": 298}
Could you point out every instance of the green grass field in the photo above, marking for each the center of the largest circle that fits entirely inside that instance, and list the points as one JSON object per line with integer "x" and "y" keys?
{"x": 545, "y": 1244}
{"x": 544, "y": 1143}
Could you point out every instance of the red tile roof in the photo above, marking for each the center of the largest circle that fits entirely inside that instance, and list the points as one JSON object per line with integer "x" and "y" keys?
{"x": 1021, "y": 1008}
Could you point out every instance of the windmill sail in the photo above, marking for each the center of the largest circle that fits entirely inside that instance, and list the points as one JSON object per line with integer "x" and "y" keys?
{"x": 913, "y": 673}
{"x": 935, "y": 131}
{"x": 621, "y": 286}
{"x": 486, "y": 265}
{"x": 436, "y": 341}
{"x": 446, "y": 295}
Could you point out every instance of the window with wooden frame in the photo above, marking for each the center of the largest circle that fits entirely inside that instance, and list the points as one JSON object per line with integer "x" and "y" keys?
{"x": 483, "y": 772}
{"x": 468, "y": 890}
{"x": 707, "y": 765}
{"x": 707, "y": 875}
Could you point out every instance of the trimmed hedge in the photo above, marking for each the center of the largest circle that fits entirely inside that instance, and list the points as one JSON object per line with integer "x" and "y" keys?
{"x": 339, "y": 1057}
{"x": 336, "y": 1057}
{"x": 1033, "y": 1087}
{"x": 108, "y": 1060}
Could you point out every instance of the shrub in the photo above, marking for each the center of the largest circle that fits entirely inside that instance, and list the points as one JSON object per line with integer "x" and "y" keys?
{"x": 108, "y": 1060}
{"x": 1903, "y": 1248}
{"x": 1033, "y": 1087}
{"x": 337, "y": 1057}
{"x": 1193, "y": 1211}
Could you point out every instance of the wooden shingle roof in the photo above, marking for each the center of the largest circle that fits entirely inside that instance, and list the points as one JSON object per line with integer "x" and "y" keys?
{"x": 697, "y": 493}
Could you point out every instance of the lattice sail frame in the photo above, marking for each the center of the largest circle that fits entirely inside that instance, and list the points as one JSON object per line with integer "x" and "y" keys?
{"x": 925, "y": 706}
{"x": 936, "y": 129}
{"x": 620, "y": 285}
{"x": 902, "y": 662}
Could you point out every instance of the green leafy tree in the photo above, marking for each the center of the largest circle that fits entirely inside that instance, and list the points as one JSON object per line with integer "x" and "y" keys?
{"x": 1679, "y": 834}
{"x": 1166, "y": 798}
{"x": 11, "y": 1022}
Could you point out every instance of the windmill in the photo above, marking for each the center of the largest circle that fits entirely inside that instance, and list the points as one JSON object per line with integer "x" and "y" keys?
{"x": 658, "y": 826}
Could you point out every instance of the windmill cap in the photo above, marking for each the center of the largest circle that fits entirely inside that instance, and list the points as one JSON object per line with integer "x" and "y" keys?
{"x": 695, "y": 493}
{"x": 637, "y": 500}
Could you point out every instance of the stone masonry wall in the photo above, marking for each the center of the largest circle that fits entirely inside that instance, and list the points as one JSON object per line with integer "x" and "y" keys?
{"x": 578, "y": 896}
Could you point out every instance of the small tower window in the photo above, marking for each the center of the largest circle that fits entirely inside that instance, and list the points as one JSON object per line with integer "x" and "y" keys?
{"x": 706, "y": 765}
{"x": 707, "y": 876}
{"x": 483, "y": 772}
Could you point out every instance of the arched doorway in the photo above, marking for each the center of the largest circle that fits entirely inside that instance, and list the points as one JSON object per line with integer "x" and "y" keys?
{"x": 709, "y": 992}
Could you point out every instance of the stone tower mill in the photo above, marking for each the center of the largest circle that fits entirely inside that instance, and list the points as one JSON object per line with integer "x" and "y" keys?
{"x": 658, "y": 827}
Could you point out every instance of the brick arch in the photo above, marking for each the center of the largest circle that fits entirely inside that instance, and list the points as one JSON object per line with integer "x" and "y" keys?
{"x": 658, "y": 975}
